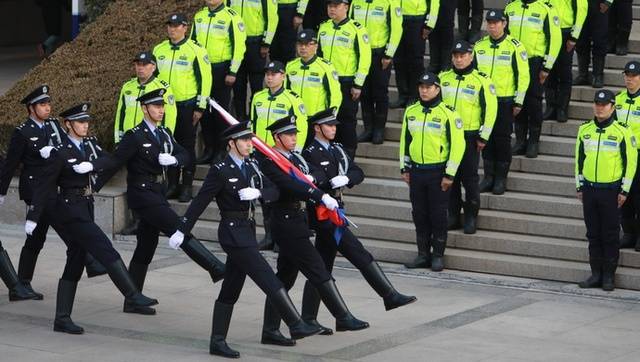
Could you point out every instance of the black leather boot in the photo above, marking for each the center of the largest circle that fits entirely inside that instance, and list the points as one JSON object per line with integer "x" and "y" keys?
{"x": 471, "y": 209}
{"x": 345, "y": 321}
{"x": 609, "y": 275}
{"x": 26, "y": 267}
{"x": 367, "y": 121}
{"x": 298, "y": 328}
{"x": 423, "y": 259}
{"x": 562, "y": 114}
{"x": 138, "y": 273}
{"x": 630, "y": 234}
{"x": 207, "y": 156}
{"x": 500, "y": 182}
{"x": 219, "y": 327}
{"x": 488, "y": 179}
{"x": 271, "y": 328}
{"x": 203, "y": 257}
{"x": 595, "y": 280}
{"x": 93, "y": 267}
{"x": 64, "y": 306}
{"x": 379, "y": 282}
{"x": 583, "y": 69}
{"x": 186, "y": 189}
{"x": 437, "y": 259}
{"x": 550, "y": 96}
{"x": 598, "y": 72}
{"x": 379, "y": 124}
{"x": 310, "y": 306}
{"x": 8, "y": 274}
{"x": 622, "y": 42}
{"x": 520, "y": 147}
{"x": 533, "y": 145}
{"x": 125, "y": 284}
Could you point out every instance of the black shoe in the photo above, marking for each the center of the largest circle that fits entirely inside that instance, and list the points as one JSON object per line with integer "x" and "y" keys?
{"x": 500, "y": 182}
{"x": 378, "y": 136}
{"x": 420, "y": 261}
{"x": 207, "y": 156}
{"x": 628, "y": 241}
{"x": 173, "y": 191}
{"x": 488, "y": 166}
{"x": 598, "y": 81}
{"x": 437, "y": 263}
{"x": 298, "y": 328}
{"x": 608, "y": 275}
{"x": 562, "y": 115}
{"x": 310, "y": 306}
{"x": 203, "y": 257}
{"x": 138, "y": 273}
{"x": 345, "y": 321}
{"x": 453, "y": 221}
{"x": 365, "y": 136}
{"x": 532, "y": 150}
{"x": 550, "y": 113}
{"x": 379, "y": 282}
{"x": 27, "y": 286}
{"x": 277, "y": 339}
{"x": 271, "y": 328}
{"x": 8, "y": 274}
{"x": 93, "y": 267}
{"x": 219, "y": 327}
{"x": 186, "y": 188}
{"x": 582, "y": 79}
{"x": 64, "y": 306}
{"x": 471, "y": 209}
{"x": 595, "y": 280}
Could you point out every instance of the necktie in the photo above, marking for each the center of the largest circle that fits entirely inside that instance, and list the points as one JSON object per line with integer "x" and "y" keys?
{"x": 157, "y": 134}
{"x": 81, "y": 148}
{"x": 243, "y": 169}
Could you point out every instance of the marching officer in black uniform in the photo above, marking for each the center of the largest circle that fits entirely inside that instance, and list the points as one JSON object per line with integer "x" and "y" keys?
{"x": 64, "y": 198}
{"x": 149, "y": 150}
{"x": 237, "y": 183}
{"x": 336, "y": 171}
{"x": 30, "y": 145}
{"x": 290, "y": 230}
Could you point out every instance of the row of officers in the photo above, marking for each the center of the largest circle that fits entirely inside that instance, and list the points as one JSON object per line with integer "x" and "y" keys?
{"x": 62, "y": 167}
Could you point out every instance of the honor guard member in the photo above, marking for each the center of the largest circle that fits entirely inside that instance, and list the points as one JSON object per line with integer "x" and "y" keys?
{"x": 185, "y": 65}
{"x": 441, "y": 38}
{"x": 237, "y": 183}
{"x": 418, "y": 20}
{"x": 537, "y": 27}
{"x": 473, "y": 96}
{"x": 432, "y": 146}
{"x": 628, "y": 113}
{"x": 290, "y": 17}
{"x": 470, "y": 10}
{"x": 504, "y": 60}
{"x": 606, "y": 158}
{"x": 337, "y": 170}
{"x": 620, "y": 22}
{"x": 128, "y": 112}
{"x": 71, "y": 214}
{"x": 219, "y": 30}
{"x": 149, "y": 150}
{"x": 345, "y": 43}
{"x": 383, "y": 21}
{"x": 557, "y": 90}
{"x": 593, "y": 42}
{"x": 290, "y": 228}
{"x": 312, "y": 78}
{"x": 260, "y": 18}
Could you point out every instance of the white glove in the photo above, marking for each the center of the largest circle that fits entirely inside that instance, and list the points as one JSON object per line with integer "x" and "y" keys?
{"x": 83, "y": 167}
{"x": 29, "y": 226}
{"x": 46, "y": 151}
{"x": 1, "y": 199}
{"x": 339, "y": 181}
{"x": 166, "y": 159}
{"x": 329, "y": 202}
{"x": 310, "y": 178}
{"x": 249, "y": 193}
{"x": 176, "y": 239}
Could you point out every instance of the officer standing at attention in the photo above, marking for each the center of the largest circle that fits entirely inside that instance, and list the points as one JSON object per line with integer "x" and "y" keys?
{"x": 290, "y": 16}
{"x": 430, "y": 171}
{"x": 345, "y": 43}
{"x": 504, "y": 60}
{"x": 220, "y": 30}
{"x": 237, "y": 183}
{"x": 593, "y": 41}
{"x": 185, "y": 65}
{"x": 537, "y": 27}
{"x": 71, "y": 214}
{"x": 470, "y": 20}
{"x": 473, "y": 96}
{"x": 620, "y": 23}
{"x": 441, "y": 38}
{"x": 260, "y": 18}
{"x": 337, "y": 170}
{"x": 383, "y": 21}
{"x": 418, "y": 20}
{"x": 149, "y": 150}
{"x": 628, "y": 113}
{"x": 557, "y": 91}
{"x": 606, "y": 159}
{"x": 290, "y": 228}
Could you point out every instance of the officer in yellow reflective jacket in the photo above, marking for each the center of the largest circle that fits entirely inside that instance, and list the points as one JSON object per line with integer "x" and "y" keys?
{"x": 628, "y": 113}
{"x": 605, "y": 165}
{"x": 431, "y": 149}
{"x": 129, "y": 112}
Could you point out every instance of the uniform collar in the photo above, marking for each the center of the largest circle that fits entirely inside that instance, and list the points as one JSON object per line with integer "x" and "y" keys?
{"x": 606, "y": 123}
{"x": 178, "y": 44}
{"x": 214, "y": 11}
{"x": 431, "y": 103}
{"x": 142, "y": 85}
{"x": 634, "y": 95}
{"x": 464, "y": 71}
{"x": 152, "y": 126}
{"x": 313, "y": 59}
{"x": 39, "y": 124}
{"x": 236, "y": 160}
{"x": 286, "y": 154}
{"x": 277, "y": 93}
{"x": 75, "y": 141}
{"x": 338, "y": 25}
{"x": 323, "y": 143}
{"x": 499, "y": 40}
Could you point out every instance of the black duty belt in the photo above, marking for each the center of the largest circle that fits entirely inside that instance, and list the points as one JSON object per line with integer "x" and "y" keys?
{"x": 244, "y": 215}
{"x": 155, "y": 179}
{"x": 76, "y": 192}
{"x": 291, "y": 205}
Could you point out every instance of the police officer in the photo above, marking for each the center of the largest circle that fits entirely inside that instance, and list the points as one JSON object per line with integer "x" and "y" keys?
{"x": 337, "y": 170}
{"x": 470, "y": 30}
{"x": 593, "y": 41}
{"x": 383, "y": 21}
{"x": 537, "y": 27}
{"x": 418, "y": 20}
{"x": 291, "y": 232}
{"x": 185, "y": 65}
{"x": 441, "y": 38}
{"x": 290, "y": 16}
{"x": 557, "y": 91}
{"x": 628, "y": 113}
{"x": 620, "y": 22}
{"x": 71, "y": 214}
{"x": 606, "y": 159}
{"x": 149, "y": 150}
{"x": 260, "y": 18}
{"x": 503, "y": 59}
{"x": 237, "y": 183}
{"x": 220, "y": 30}
{"x": 428, "y": 171}
{"x": 473, "y": 96}
{"x": 345, "y": 43}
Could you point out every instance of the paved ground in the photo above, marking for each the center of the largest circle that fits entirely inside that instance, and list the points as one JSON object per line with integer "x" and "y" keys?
{"x": 14, "y": 62}
{"x": 459, "y": 316}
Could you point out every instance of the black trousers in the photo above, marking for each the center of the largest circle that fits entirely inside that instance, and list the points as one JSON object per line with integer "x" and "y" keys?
{"x": 315, "y": 15}
{"x": 602, "y": 218}
{"x": 441, "y": 38}
{"x": 429, "y": 204}
{"x": 530, "y": 118}
{"x": 498, "y": 147}
{"x": 35, "y": 241}
{"x": 251, "y": 71}
{"x": 620, "y": 18}
{"x": 346, "y": 130}
{"x": 283, "y": 47}
{"x": 375, "y": 92}
{"x": 467, "y": 9}
{"x": 467, "y": 175}
{"x": 408, "y": 60}
{"x": 593, "y": 38}
{"x": 350, "y": 247}
{"x": 212, "y": 123}
{"x": 560, "y": 78}
{"x": 631, "y": 208}
{"x": 153, "y": 220}
{"x": 185, "y": 133}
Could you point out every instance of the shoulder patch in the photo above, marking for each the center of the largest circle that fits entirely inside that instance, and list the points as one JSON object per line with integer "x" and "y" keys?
{"x": 357, "y": 24}
{"x": 165, "y": 84}
{"x": 515, "y": 41}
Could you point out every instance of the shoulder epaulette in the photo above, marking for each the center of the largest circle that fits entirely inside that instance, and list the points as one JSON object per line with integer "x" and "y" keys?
{"x": 515, "y": 41}
{"x": 357, "y": 24}
{"x": 231, "y": 11}
{"x": 325, "y": 61}
{"x": 219, "y": 165}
